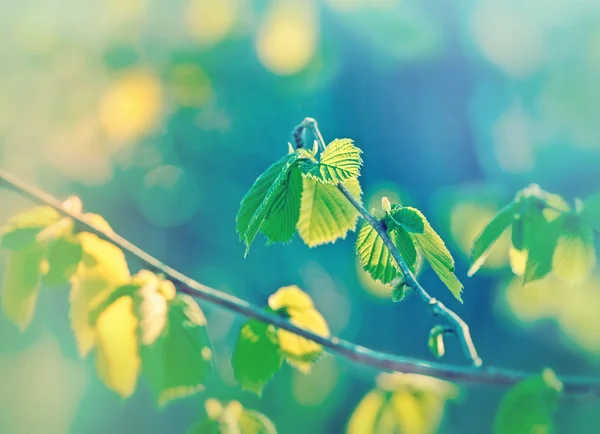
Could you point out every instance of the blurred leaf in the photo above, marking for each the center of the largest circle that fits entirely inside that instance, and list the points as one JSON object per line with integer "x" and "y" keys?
{"x": 528, "y": 407}
{"x": 484, "y": 242}
{"x": 399, "y": 292}
{"x": 232, "y": 419}
{"x": 326, "y": 214}
{"x": 340, "y": 161}
{"x": 179, "y": 361}
{"x": 117, "y": 353}
{"x": 540, "y": 249}
{"x": 258, "y": 202}
{"x": 102, "y": 270}
{"x": 256, "y": 357}
{"x": 63, "y": 256}
{"x": 436, "y": 341}
{"x": 409, "y": 218}
{"x": 280, "y": 223}
{"x": 20, "y": 231}
{"x": 21, "y": 284}
{"x": 439, "y": 258}
{"x": 591, "y": 211}
{"x": 575, "y": 256}
{"x": 150, "y": 307}
{"x": 299, "y": 308}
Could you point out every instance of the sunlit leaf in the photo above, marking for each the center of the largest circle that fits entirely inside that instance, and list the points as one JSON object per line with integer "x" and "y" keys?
{"x": 540, "y": 249}
{"x": 62, "y": 256}
{"x": 179, "y": 361}
{"x": 117, "y": 353}
{"x": 374, "y": 256}
{"x": 591, "y": 211}
{"x": 102, "y": 270}
{"x": 484, "y": 242}
{"x": 262, "y": 196}
{"x": 528, "y": 407}
{"x": 281, "y": 220}
{"x": 232, "y": 419}
{"x": 399, "y": 292}
{"x": 439, "y": 258}
{"x": 436, "y": 341}
{"x": 21, "y": 284}
{"x": 409, "y": 218}
{"x": 298, "y": 351}
{"x": 150, "y": 307}
{"x": 339, "y": 162}
{"x": 20, "y": 231}
{"x": 326, "y": 214}
{"x": 256, "y": 357}
{"x": 575, "y": 256}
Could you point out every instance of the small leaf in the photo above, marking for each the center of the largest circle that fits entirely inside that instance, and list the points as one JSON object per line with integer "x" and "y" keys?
{"x": 298, "y": 351}
{"x": 436, "y": 341}
{"x": 179, "y": 361}
{"x": 399, "y": 292}
{"x": 259, "y": 200}
{"x": 575, "y": 256}
{"x": 117, "y": 353}
{"x": 102, "y": 270}
{"x": 232, "y": 419}
{"x": 20, "y": 231}
{"x": 591, "y": 211}
{"x": 439, "y": 258}
{"x": 374, "y": 256}
{"x": 485, "y": 241}
{"x": 339, "y": 162}
{"x": 22, "y": 284}
{"x": 528, "y": 406}
{"x": 325, "y": 213}
{"x": 150, "y": 307}
{"x": 282, "y": 218}
{"x": 409, "y": 218}
{"x": 541, "y": 248}
{"x": 256, "y": 357}
{"x": 63, "y": 256}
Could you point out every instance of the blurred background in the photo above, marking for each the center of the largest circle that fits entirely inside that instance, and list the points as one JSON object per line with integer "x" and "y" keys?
{"x": 161, "y": 114}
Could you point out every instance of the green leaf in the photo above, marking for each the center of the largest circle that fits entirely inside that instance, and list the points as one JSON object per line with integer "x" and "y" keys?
{"x": 22, "y": 284}
{"x": 591, "y": 211}
{"x": 299, "y": 308}
{"x": 575, "y": 256}
{"x": 399, "y": 292}
{"x": 179, "y": 361}
{"x": 339, "y": 162}
{"x": 528, "y": 407}
{"x": 484, "y": 242}
{"x": 409, "y": 218}
{"x": 253, "y": 422}
{"x": 326, "y": 214}
{"x": 540, "y": 249}
{"x": 256, "y": 357}
{"x": 21, "y": 230}
{"x": 282, "y": 218}
{"x": 261, "y": 197}
{"x": 439, "y": 258}
{"x": 232, "y": 419}
{"x": 63, "y": 256}
{"x": 436, "y": 341}
{"x": 374, "y": 256}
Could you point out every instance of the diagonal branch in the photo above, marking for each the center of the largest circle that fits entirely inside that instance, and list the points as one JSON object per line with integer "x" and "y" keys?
{"x": 437, "y": 308}
{"x": 581, "y": 387}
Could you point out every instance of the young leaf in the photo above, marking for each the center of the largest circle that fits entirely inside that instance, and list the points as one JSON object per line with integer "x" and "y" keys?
{"x": 540, "y": 249}
{"x": 62, "y": 257}
{"x": 261, "y": 197}
{"x": 528, "y": 406}
{"x": 20, "y": 231}
{"x": 22, "y": 284}
{"x": 102, "y": 270}
{"x": 256, "y": 357}
{"x": 485, "y": 241}
{"x": 281, "y": 220}
{"x": 232, "y": 419}
{"x": 439, "y": 258}
{"x": 299, "y": 308}
{"x": 117, "y": 353}
{"x": 591, "y": 211}
{"x": 339, "y": 162}
{"x": 179, "y": 361}
{"x": 325, "y": 214}
{"x": 575, "y": 256}
{"x": 399, "y": 292}
{"x": 409, "y": 218}
{"x": 436, "y": 341}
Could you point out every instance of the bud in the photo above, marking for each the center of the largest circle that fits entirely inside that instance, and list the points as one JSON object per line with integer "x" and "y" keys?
{"x": 290, "y": 148}
{"x": 73, "y": 204}
{"x": 213, "y": 408}
{"x": 315, "y": 148}
{"x": 386, "y": 205}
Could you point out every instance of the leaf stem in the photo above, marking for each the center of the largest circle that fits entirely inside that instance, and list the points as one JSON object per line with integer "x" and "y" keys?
{"x": 577, "y": 387}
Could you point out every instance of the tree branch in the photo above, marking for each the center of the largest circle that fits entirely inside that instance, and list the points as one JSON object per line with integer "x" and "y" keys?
{"x": 576, "y": 386}
{"x": 437, "y": 308}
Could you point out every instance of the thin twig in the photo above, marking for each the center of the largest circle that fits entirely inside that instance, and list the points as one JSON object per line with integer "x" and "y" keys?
{"x": 437, "y": 308}
{"x": 581, "y": 387}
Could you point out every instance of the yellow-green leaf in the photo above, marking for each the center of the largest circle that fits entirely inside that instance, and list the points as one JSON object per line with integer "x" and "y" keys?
{"x": 232, "y": 419}
{"x": 62, "y": 257}
{"x": 179, "y": 361}
{"x": 575, "y": 255}
{"x": 21, "y": 284}
{"x": 325, "y": 213}
{"x": 339, "y": 162}
{"x": 591, "y": 211}
{"x": 21, "y": 230}
{"x": 436, "y": 341}
{"x": 117, "y": 352}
